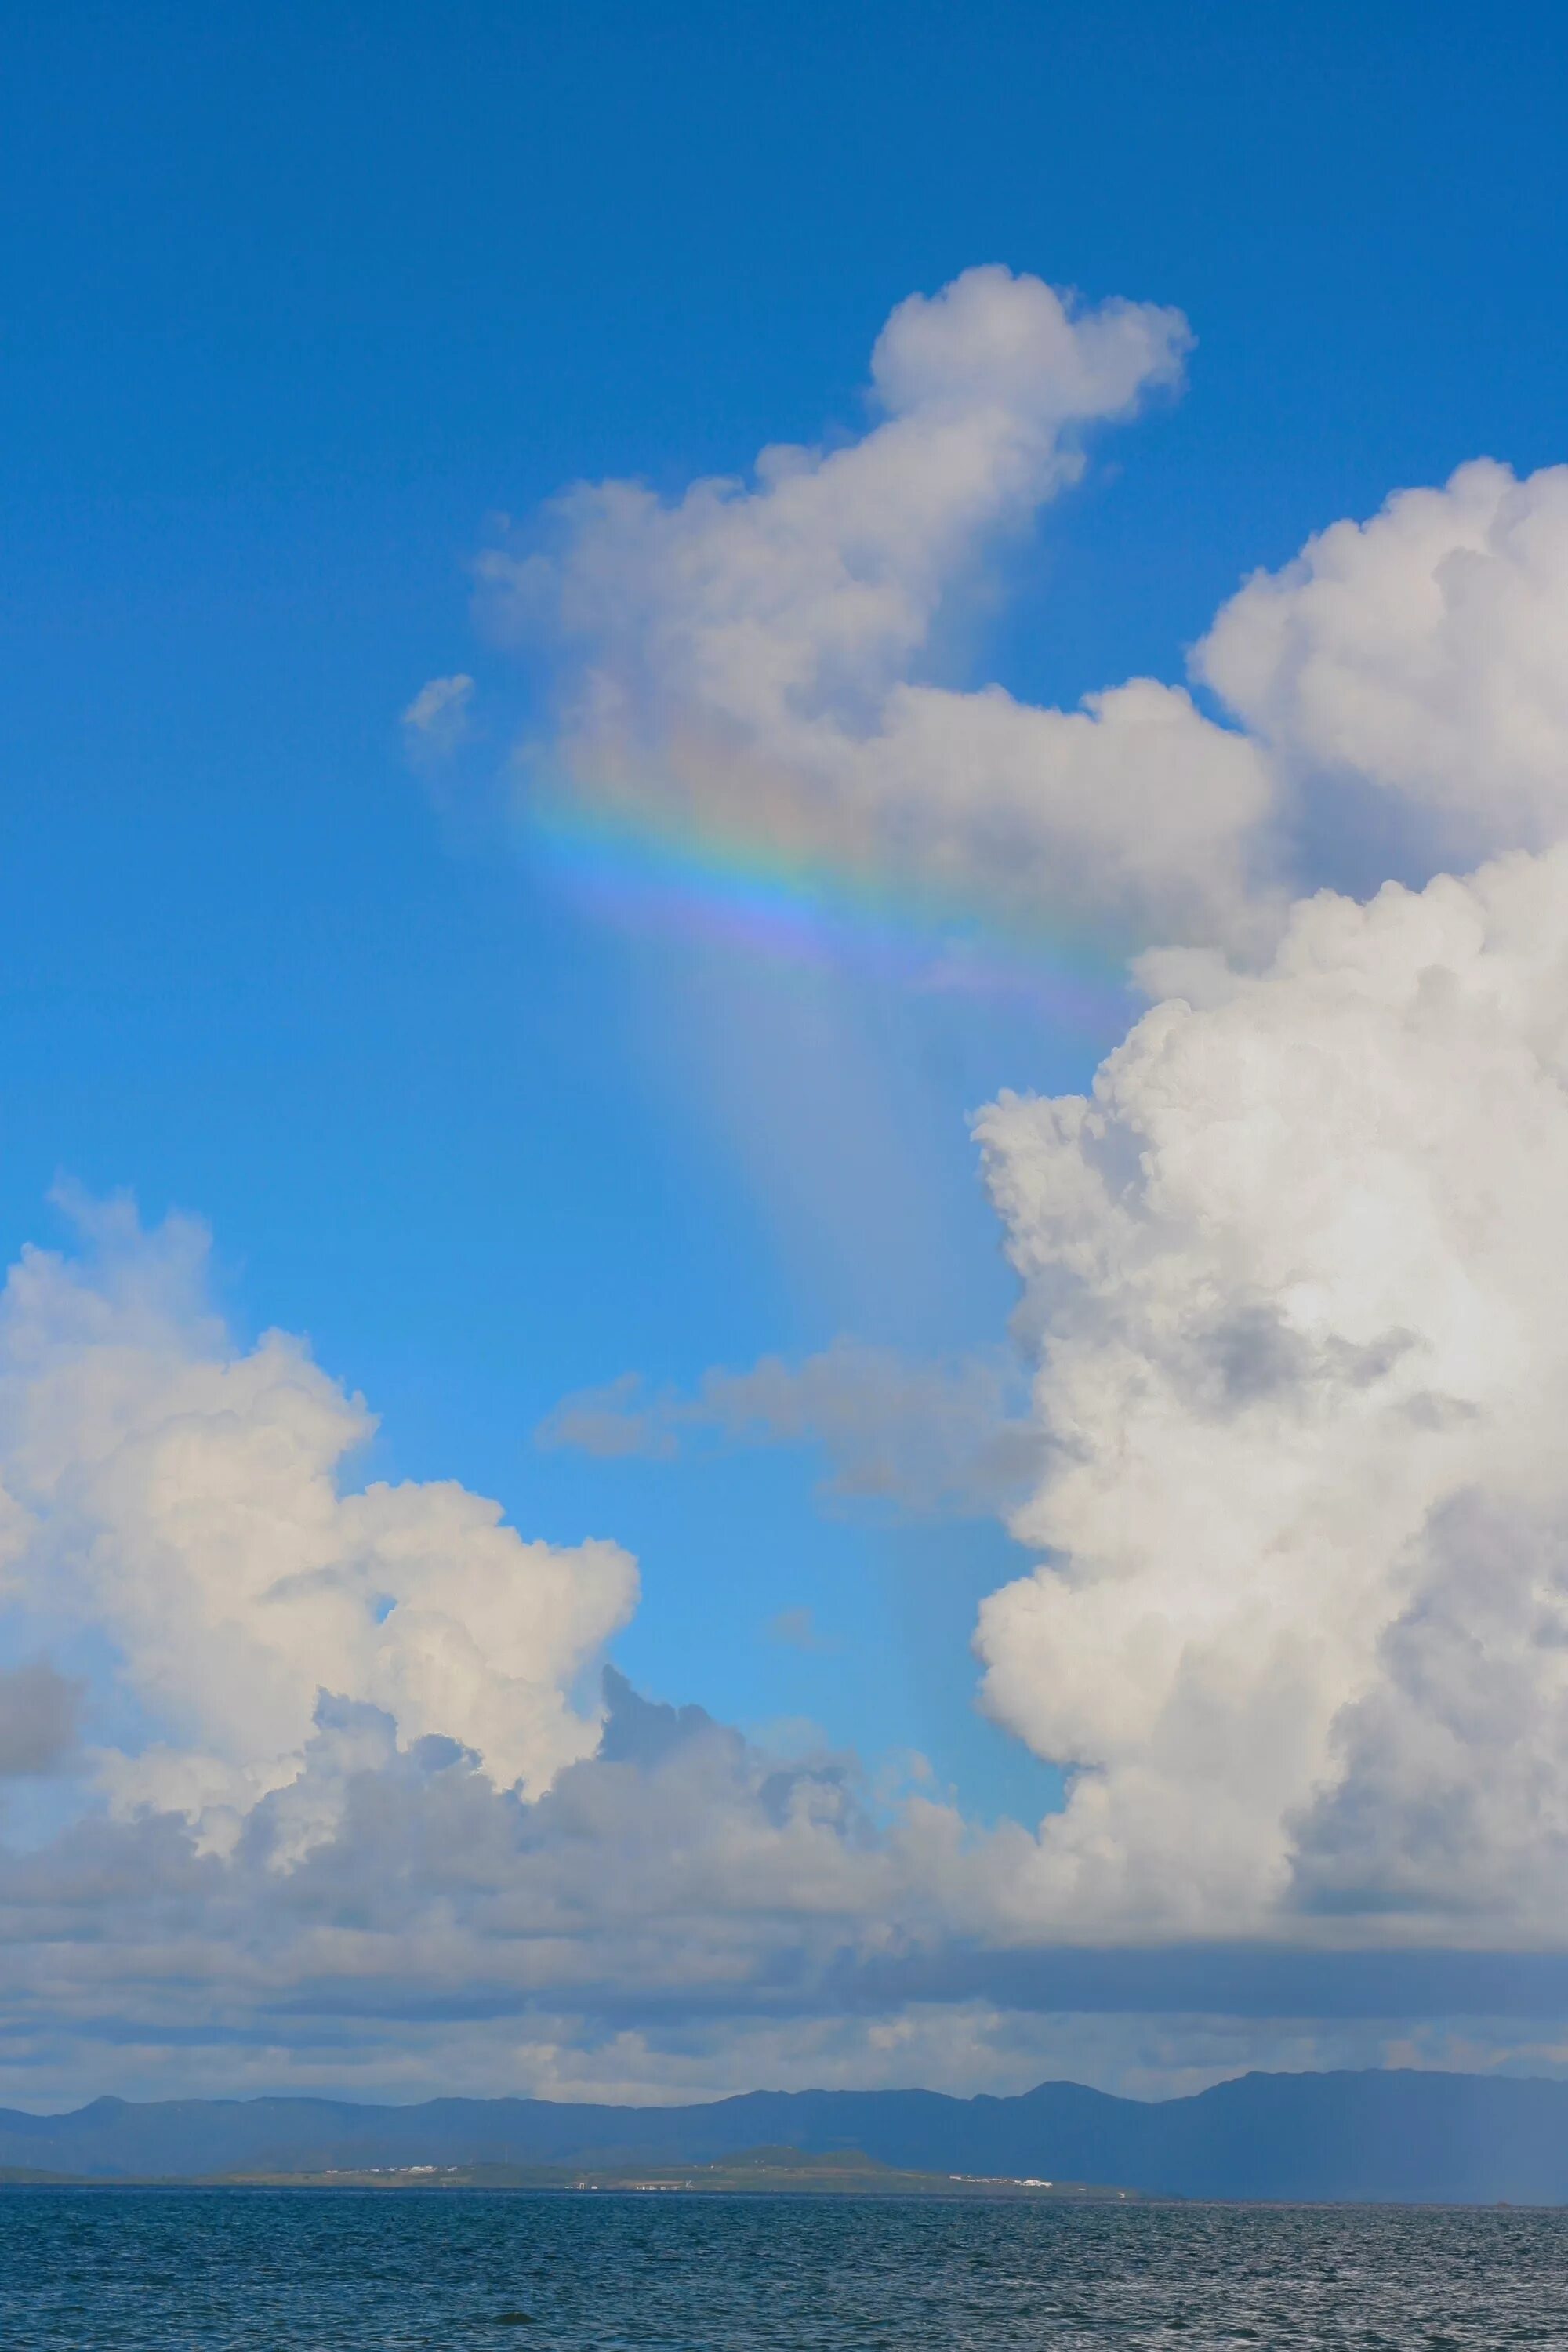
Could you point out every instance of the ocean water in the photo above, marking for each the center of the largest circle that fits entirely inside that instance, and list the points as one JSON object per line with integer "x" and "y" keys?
{"x": 139, "y": 2270}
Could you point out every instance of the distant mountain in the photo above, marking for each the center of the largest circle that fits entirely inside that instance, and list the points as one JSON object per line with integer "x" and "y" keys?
{"x": 1399, "y": 2136}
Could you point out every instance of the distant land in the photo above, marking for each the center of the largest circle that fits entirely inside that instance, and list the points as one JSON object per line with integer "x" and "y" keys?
{"x": 754, "y": 2172}
{"x": 1391, "y": 2136}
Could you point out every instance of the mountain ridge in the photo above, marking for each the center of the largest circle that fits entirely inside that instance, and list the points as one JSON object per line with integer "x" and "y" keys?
{"x": 1394, "y": 2134}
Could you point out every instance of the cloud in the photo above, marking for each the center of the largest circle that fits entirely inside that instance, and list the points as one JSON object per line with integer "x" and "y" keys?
{"x": 925, "y": 1436}
{"x": 437, "y": 718}
{"x": 1293, "y": 1302}
{"x": 755, "y": 667}
{"x": 1290, "y": 1275}
{"x": 39, "y": 1711}
{"x": 678, "y": 1874}
{"x": 615, "y": 1422}
{"x": 340, "y": 1764}
{"x": 796, "y": 1629}
{"x": 1420, "y": 654}
{"x": 1296, "y": 1277}
{"x": 683, "y": 1913}
{"x": 686, "y": 1918}
{"x": 753, "y": 663}
{"x": 333, "y": 1859}
{"x": 181, "y": 1494}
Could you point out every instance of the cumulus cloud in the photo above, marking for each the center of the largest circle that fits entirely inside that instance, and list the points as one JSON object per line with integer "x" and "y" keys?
{"x": 182, "y": 1495}
{"x": 1290, "y": 1273}
{"x": 633, "y": 1897}
{"x": 1293, "y": 1305}
{"x": 1420, "y": 654}
{"x": 925, "y": 1436}
{"x": 679, "y": 1874}
{"x": 339, "y": 1760}
{"x": 1296, "y": 1277}
{"x": 753, "y": 661}
{"x": 681, "y": 1914}
{"x": 756, "y": 663}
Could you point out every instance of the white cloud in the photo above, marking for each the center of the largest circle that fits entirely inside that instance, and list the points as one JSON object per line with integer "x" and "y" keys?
{"x": 1294, "y": 1273}
{"x": 181, "y": 1494}
{"x": 1297, "y": 1276}
{"x": 1421, "y": 653}
{"x": 324, "y": 1858}
{"x": 1293, "y": 1278}
{"x": 748, "y": 661}
{"x": 753, "y": 663}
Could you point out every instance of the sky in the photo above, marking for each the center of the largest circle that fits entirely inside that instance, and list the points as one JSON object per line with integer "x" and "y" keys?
{"x": 782, "y": 1046}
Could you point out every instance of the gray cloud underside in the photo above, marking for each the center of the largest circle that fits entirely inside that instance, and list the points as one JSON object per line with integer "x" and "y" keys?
{"x": 681, "y": 1884}
{"x": 40, "y": 1713}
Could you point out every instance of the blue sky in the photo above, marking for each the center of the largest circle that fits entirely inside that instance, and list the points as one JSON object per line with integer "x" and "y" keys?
{"x": 295, "y": 305}
{"x": 295, "y": 300}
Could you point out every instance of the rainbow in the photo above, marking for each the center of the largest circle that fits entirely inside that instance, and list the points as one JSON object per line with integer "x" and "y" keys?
{"x": 656, "y": 878}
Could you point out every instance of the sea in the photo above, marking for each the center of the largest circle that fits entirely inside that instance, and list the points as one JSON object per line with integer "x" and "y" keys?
{"x": 305, "y": 2269}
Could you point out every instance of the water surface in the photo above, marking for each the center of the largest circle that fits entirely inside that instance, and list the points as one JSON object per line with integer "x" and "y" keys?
{"x": 147, "y": 2270}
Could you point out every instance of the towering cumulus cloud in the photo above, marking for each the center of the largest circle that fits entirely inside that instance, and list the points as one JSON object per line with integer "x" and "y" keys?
{"x": 1298, "y": 1280}
{"x": 747, "y": 664}
{"x": 179, "y": 1495}
{"x": 1298, "y": 1277}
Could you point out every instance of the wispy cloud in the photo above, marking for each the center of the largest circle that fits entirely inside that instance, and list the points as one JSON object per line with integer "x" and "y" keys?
{"x": 925, "y": 1437}
{"x": 796, "y": 1629}
{"x": 436, "y": 720}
